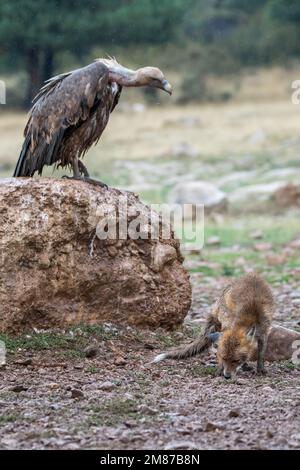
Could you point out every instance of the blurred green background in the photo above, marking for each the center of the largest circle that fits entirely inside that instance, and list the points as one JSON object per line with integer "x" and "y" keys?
{"x": 193, "y": 38}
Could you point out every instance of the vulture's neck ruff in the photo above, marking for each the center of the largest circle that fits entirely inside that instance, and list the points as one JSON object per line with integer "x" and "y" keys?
{"x": 119, "y": 74}
{"x": 146, "y": 76}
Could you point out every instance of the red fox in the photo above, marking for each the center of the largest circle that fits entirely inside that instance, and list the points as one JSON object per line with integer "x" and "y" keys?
{"x": 239, "y": 323}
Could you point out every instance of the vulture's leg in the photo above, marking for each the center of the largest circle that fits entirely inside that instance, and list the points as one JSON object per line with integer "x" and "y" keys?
{"x": 83, "y": 169}
{"x": 80, "y": 173}
{"x": 76, "y": 172}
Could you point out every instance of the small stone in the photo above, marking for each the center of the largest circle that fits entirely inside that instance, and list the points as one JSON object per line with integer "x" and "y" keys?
{"x": 212, "y": 241}
{"x": 256, "y": 234}
{"x": 53, "y": 385}
{"x": 267, "y": 389}
{"x": 262, "y": 246}
{"x": 145, "y": 409}
{"x": 24, "y": 362}
{"x": 130, "y": 424}
{"x": 91, "y": 351}
{"x": 75, "y": 393}
{"x": 274, "y": 260}
{"x": 107, "y": 386}
{"x": 235, "y": 413}
{"x": 184, "y": 445}
{"x": 19, "y": 388}
{"x": 71, "y": 446}
{"x": 295, "y": 243}
{"x": 149, "y": 346}
{"x": 120, "y": 361}
{"x": 209, "y": 427}
{"x": 294, "y": 295}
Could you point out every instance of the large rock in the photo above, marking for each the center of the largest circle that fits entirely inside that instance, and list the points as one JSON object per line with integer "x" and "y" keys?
{"x": 287, "y": 196}
{"x": 256, "y": 192}
{"x": 55, "y": 270}
{"x": 282, "y": 344}
{"x": 199, "y": 192}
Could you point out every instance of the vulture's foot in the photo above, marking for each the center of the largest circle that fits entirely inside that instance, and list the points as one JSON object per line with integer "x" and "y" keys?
{"x": 87, "y": 179}
{"x": 95, "y": 182}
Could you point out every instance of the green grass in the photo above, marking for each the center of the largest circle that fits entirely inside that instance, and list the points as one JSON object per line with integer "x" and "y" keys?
{"x": 72, "y": 342}
{"x": 202, "y": 371}
{"x": 92, "y": 370}
{"x": 113, "y": 412}
{"x": 289, "y": 365}
{"x": 8, "y": 418}
{"x": 168, "y": 339}
{"x": 36, "y": 341}
{"x": 237, "y": 230}
{"x": 236, "y": 243}
{"x": 100, "y": 332}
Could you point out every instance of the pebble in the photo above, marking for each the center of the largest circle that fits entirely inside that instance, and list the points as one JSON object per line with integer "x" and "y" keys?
{"x": 107, "y": 386}
{"x": 19, "y": 388}
{"x": 214, "y": 240}
{"x": 75, "y": 393}
{"x": 235, "y": 413}
{"x": 91, "y": 351}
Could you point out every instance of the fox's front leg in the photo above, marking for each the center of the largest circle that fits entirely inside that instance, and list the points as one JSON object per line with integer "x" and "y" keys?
{"x": 220, "y": 369}
{"x": 261, "y": 349}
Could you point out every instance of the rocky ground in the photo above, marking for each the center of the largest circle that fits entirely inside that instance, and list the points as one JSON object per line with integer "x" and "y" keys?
{"x": 53, "y": 396}
{"x": 94, "y": 387}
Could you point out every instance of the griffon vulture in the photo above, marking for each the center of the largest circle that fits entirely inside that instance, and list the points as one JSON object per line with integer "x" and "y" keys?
{"x": 72, "y": 110}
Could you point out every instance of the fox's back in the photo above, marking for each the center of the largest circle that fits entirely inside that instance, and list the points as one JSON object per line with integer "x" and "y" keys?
{"x": 247, "y": 301}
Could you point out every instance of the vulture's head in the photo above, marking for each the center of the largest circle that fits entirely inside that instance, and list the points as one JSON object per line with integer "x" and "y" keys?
{"x": 153, "y": 77}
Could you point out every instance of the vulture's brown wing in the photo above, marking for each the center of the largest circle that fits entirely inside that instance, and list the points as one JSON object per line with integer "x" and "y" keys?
{"x": 63, "y": 101}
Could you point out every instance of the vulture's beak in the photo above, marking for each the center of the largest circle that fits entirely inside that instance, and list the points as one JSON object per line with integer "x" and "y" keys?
{"x": 166, "y": 87}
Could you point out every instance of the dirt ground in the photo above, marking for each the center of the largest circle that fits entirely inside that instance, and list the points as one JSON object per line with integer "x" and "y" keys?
{"x": 52, "y": 396}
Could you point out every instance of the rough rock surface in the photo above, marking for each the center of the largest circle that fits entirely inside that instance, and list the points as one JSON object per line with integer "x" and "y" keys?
{"x": 282, "y": 343}
{"x": 55, "y": 271}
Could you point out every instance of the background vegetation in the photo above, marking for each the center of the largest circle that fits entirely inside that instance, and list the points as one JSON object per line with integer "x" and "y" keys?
{"x": 196, "y": 39}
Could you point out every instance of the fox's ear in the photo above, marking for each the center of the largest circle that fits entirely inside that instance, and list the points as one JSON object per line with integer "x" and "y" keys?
{"x": 251, "y": 332}
{"x": 214, "y": 337}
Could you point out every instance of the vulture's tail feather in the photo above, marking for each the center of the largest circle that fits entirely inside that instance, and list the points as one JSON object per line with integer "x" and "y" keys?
{"x": 20, "y": 169}
{"x": 44, "y": 154}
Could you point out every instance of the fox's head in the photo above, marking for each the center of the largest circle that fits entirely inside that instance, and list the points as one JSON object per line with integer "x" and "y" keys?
{"x": 235, "y": 347}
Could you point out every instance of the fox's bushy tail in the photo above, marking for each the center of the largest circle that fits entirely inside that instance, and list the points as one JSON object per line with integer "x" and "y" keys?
{"x": 198, "y": 346}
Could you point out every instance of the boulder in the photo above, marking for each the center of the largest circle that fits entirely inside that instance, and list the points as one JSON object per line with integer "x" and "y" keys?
{"x": 256, "y": 192}
{"x": 60, "y": 266}
{"x": 199, "y": 192}
{"x": 282, "y": 344}
{"x": 287, "y": 196}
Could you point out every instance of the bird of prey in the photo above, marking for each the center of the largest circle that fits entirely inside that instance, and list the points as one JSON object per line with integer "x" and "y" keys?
{"x": 72, "y": 110}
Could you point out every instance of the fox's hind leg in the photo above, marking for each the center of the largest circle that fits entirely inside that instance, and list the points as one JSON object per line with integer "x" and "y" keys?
{"x": 261, "y": 349}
